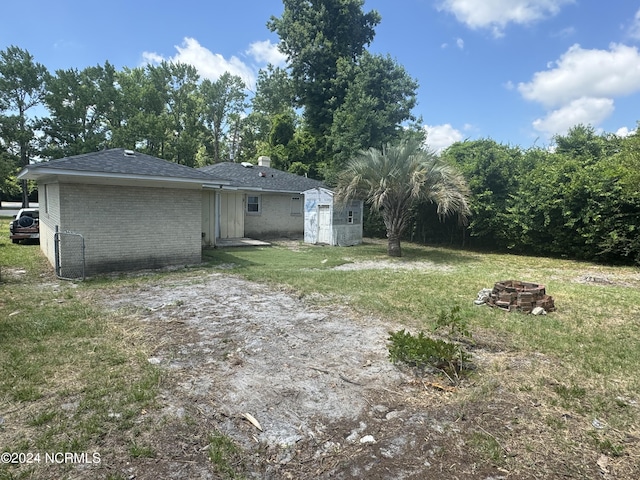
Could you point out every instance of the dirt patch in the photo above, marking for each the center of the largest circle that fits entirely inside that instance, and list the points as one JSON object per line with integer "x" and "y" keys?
{"x": 392, "y": 265}
{"x": 317, "y": 380}
{"x": 329, "y": 403}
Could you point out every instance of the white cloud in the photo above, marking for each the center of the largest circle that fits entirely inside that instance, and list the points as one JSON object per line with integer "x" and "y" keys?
{"x": 440, "y": 137}
{"x": 564, "y": 33}
{"x": 497, "y": 14}
{"x": 625, "y": 132}
{"x": 151, "y": 57}
{"x": 267, "y": 52}
{"x": 582, "y": 85}
{"x": 212, "y": 65}
{"x": 459, "y": 44}
{"x": 586, "y": 73}
{"x": 585, "y": 110}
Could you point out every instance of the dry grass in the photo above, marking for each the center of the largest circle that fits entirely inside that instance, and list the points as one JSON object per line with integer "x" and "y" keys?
{"x": 551, "y": 397}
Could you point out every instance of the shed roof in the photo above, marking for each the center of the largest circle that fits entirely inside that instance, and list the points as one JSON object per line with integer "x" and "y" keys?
{"x": 262, "y": 178}
{"x": 118, "y": 163}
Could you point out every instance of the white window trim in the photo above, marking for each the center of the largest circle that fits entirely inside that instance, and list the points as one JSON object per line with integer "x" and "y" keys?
{"x": 259, "y": 203}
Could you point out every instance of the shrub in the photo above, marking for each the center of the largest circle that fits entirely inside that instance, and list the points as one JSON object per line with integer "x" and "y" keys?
{"x": 458, "y": 326}
{"x": 421, "y": 352}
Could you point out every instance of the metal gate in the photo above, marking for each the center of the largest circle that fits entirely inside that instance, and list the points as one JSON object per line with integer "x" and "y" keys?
{"x": 69, "y": 253}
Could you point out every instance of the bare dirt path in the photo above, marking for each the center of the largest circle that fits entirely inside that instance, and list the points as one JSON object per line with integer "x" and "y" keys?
{"x": 317, "y": 381}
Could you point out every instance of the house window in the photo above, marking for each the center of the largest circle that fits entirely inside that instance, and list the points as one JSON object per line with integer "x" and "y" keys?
{"x": 253, "y": 204}
{"x": 296, "y": 206}
{"x": 350, "y": 217}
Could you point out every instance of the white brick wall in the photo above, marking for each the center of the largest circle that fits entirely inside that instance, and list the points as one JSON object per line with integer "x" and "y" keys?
{"x": 275, "y": 218}
{"x": 49, "y": 201}
{"x": 128, "y": 228}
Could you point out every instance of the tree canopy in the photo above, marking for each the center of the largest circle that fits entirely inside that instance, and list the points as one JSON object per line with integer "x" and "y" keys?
{"x": 351, "y": 99}
{"x": 22, "y": 87}
{"x": 315, "y": 36}
{"x": 579, "y": 199}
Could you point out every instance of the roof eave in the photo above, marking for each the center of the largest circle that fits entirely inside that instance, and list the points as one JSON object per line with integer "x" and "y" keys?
{"x": 43, "y": 172}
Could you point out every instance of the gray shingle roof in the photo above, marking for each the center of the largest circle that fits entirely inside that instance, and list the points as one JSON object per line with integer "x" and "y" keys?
{"x": 114, "y": 161}
{"x": 262, "y": 178}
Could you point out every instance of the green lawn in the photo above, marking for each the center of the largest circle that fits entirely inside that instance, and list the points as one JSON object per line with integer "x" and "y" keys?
{"x": 580, "y": 361}
{"x": 76, "y": 378}
{"x": 601, "y": 319}
{"x": 72, "y": 377}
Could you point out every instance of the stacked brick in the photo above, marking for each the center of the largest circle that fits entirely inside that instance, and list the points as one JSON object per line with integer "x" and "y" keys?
{"x": 513, "y": 295}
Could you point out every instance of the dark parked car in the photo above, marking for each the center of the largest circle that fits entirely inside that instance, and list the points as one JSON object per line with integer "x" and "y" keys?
{"x": 25, "y": 226}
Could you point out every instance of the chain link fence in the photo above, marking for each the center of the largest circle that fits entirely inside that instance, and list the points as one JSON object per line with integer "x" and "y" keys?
{"x": 69, "y": 253}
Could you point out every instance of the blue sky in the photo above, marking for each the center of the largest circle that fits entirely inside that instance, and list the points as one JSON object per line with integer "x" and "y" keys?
{"x": 516, "y": 71}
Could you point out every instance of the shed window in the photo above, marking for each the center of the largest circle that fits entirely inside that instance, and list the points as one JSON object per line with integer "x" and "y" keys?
{"x": 350, "y": 217}
{"x": 296, "y": 206}
{"x": 253, "y": 204}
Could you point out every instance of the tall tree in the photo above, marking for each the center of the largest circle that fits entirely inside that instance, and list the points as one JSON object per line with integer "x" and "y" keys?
{"x": 378, "y": 100}
{"x": 22, "y": 88}
{"x": 393, "y": 180}
{"x": 316, "y": 35}
{"x": 281, "y": 135}
{"x": 178, "y": 83}
{"x": 79, "y": 103}
{"x": 139, "y": 117}
{"x": 273, "y": 97}
{"x": 223, "y": 102}
{"x": 274, "y": 92}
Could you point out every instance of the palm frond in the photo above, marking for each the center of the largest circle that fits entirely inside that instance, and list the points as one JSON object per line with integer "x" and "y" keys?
{"x": 398, "y": 176}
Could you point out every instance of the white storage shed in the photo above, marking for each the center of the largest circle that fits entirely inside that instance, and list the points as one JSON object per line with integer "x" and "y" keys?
{"x": 327, "y": 222}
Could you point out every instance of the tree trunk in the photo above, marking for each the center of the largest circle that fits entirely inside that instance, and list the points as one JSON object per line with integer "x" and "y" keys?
{"x": 25, "y": 194}
{"x": 393, "y": 246}
{"x": 24, "y": 161}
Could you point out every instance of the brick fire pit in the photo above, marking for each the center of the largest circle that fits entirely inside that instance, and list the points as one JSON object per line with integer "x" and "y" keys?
{"x": 521, "y": 296}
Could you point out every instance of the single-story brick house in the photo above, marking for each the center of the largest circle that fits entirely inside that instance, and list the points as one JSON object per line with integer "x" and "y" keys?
{"x": 134, "y": 211}
{"x": 260, "y": 202}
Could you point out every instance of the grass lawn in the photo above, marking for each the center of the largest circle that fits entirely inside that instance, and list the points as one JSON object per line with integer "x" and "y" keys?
{"x": 581, "y": 360}
{"x": 74, "y": 378}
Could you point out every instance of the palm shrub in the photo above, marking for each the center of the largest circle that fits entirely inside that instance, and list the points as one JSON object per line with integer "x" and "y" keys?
{"x": 393, "y": 180}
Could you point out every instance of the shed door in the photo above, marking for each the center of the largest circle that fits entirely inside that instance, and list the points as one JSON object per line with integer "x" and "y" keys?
{"x": 324, "y": 224}
{"x": 231, "y": 215}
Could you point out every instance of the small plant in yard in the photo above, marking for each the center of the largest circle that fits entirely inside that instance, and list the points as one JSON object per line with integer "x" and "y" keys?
{"x": 225, "y": 455}
{"x": 487, "y": 446}
{"x": 421, "y": 351}
{"x": 139, "y": 451}
{"x": 453, "y": 320}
